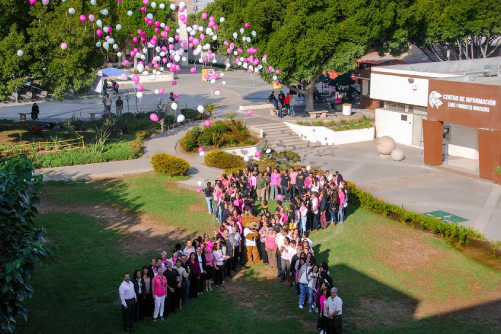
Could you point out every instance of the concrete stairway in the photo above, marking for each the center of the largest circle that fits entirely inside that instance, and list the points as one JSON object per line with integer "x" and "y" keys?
{"x": 281, "y": 138}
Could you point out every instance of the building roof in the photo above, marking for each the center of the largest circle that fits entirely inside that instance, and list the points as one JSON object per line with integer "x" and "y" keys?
{"x": 479, "y": 79}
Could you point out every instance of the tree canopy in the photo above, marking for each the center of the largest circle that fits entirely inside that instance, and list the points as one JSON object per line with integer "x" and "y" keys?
{"x": 456, "y": 29}
{"x": 304, "y": 38}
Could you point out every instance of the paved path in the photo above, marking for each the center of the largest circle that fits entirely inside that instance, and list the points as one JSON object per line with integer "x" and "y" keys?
{"x": 408, "y": 183}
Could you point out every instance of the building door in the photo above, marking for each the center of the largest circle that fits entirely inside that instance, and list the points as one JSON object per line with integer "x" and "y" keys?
{"x": 417, "y": 130}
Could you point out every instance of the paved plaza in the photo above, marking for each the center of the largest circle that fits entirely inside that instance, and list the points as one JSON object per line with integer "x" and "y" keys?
{"x": 409, "y": 183}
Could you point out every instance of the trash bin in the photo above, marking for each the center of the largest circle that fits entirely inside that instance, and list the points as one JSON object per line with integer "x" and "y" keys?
{"x": 346, "y": 109}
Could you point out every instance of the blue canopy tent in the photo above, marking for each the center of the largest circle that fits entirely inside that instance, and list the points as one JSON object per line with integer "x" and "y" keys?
{"x": 112, "y": 72}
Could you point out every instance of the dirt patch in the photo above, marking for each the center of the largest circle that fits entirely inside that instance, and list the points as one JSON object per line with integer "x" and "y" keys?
{"x": 373, "y": 312}
{"x": 410, "y": 253}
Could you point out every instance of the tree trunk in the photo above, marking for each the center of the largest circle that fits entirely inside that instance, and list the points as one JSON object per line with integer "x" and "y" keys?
{"x": 308, "y": 98}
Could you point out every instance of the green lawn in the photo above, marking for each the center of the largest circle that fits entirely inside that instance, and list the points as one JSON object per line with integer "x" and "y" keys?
{"x": 392, "y": 279}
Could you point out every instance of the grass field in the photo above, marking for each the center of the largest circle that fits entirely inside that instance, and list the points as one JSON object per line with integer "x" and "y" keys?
{"x": 392, "y": 279}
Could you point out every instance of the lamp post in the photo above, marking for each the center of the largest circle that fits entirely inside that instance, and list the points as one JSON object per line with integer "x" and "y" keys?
{"x": 127, "y": 98}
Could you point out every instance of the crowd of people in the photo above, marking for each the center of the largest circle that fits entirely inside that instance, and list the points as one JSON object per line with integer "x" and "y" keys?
{"x": 284, "y": 104}
{"x": 280, "y": 238}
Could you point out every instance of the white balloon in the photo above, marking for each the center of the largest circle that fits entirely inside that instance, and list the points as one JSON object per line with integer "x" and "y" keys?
{"x": 162, "y": 25}
{"x": 98, "y": 44}
{"x": 242, "y": 30}
{"x": 235, "y": 35}
{"x": 162, "y": 54}
{"x": 161, "y": 69}
{"x": 153, "y": 5}
{"x": 182, "y": 4}
{"x": 180, "y": 119}
{"x": 157, "y": 92}
{"x": 171, "y": 40}
{"x": 149, "y": 16}
{"x": 138, "y": 55}
{"x": 178, "y": 31}
{"x": 139, "y": 95}
{"x": 256, "y": 70}
{"x": 115, "y": 46}
{"x": 111, "y": 41}
{"x": 105, "y": 29}
{"x": 177, "y": 58}
{"x": 235, "y": 53}
{"x": 119, "y": 27}
{"x": 200, "y": 109}
{"x": 99, "y": 23}
{"x": 246, "y": 159}
{"x": 173, "y": 106}
{"x": 214, "y": 38}
{"x": 268, "y": 151}
{"x": 71, "y": 10}
{"x": 199, "y": 183}
{"x": 221, "y": 75}
{"x": 130, "y": 13}
{"x": 172, "y": 7}
{"x": 105, "y": 12}
{"x": 183, "y": 59}
{"x": 140, "y": 67}
{"x": 308, "y": 168}
{"x": 145, "y": 50}
{"x": 214, "y": 61}
{"x": 145, "y": 73}
{"x": 244, "y": 38}
{"x": 200, "y": 60}
{"x": 248, "y": 39}
{"x": 202, "y": 153}
{"x": 213, "y": 81}
{"x": 193, "y": 32}
{"x": 162, "y": 6}
{"x": 189, "y": 29}
{"x": 106, "y": 45}
{"x": 93, "y": 2}
{"x": 275, "y": 77}
{"x": 224, "y": 82}
{"x": 221, "y": 20}
{"x": 200, "y": 29}
{"x": 253, "y": 33}
{"x": 217, "y": 92}
{"x": 245, "y": 65}
{"x": 152, "y": 77}
{"x": 20, "y": 53}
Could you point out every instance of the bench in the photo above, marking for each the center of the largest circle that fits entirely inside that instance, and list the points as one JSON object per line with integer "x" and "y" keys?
{"x": 22, "y": 116}
{"x": 315, "y": 114}
{"x": 93, "y": 115}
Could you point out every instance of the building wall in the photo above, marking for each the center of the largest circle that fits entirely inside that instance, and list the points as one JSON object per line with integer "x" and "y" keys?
{"x": 368, "y": 103}
{"x": 326, "y": 136}
{"x": 387, "y": 87}
{"x": 390, "y": 123}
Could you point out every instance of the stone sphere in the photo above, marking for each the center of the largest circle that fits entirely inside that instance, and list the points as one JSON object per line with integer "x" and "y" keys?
{"x": 385, "y": 145}
{"x": 397, "y": 154}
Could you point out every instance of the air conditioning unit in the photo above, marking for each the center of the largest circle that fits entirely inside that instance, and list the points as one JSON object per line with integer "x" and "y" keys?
{"x": 492, "y": 70}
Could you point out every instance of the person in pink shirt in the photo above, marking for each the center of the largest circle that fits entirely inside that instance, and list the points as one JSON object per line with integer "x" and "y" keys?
{"x": 292, "y": 181}
{"x": 252, "y": 183}
{"x": 159, "y": 286}
{"x": 271, "y": 247}
{"x": 274, "y": 183}
{"x": 342, "y": 197}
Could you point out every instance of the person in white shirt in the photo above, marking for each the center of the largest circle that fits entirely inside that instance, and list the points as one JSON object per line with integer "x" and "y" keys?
{"x": 128, "y": 301}
{"x": 333, "y": 310}
{"x": 286, "y": 253}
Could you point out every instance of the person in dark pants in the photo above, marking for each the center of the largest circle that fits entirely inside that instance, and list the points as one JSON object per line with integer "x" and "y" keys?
{"x": 334, "y": 309}
{"x": 230, "y": 252}
{"x": 128, "y": 300}
{"x": 140, "y": 290}
{"x": 35, "y": 110}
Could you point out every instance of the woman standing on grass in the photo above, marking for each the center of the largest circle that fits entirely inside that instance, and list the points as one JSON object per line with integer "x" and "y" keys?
{"x": 195, "y": 274}
{"x": 209, "y": 191}
{"x": 219, "y": 259}
{"x": 320, "y": 302}
{"x": 286, "y": 253}
{"x": 312, "y": 285}
{"x": 274, "y": 183}
{"x": 140, "y": 289}
{"x": 148, "y": 300}
{"x": 271, "y": 247}
{"x": 210, "y": 264}
{"x": 183, "y": 275}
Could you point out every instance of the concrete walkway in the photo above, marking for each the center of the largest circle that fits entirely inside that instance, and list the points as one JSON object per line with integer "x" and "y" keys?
{"x": 408, "y": 183}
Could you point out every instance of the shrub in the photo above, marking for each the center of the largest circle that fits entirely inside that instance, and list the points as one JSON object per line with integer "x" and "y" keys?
{"x": 287, "y": 158}
{"x": 191, "y": 114}
{"x": 169, "y": 165}
{"x": 244, "y": 132}
{"x": 223, "y": 160}
{"x": 190, "y": 141}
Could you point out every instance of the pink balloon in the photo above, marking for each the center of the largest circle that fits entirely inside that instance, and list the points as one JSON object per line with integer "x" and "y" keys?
{"x": 190, "y": 45}
{"x": 200, "y": 149}
{"x": 250, "y": 112}
{"x": 202, "y": 37}
{"x": 167, "y": 28}
{"x": 216, "y": 27}
{"x": 204, "y": 16}
{"x": 270, "y": 68}
{"x": 161, "y": 90}
{"x": 247, "y": 25}
{"x": 135, "y": 78}
{"x": 134, "y": 39}
{"x": 123, "y": 76}
{"x": 176, "y": 95}
{"x": 157, "y": 30}
{"x": 163, "y": 34}
{"x": 99, "y": 32}
{"x": 182, "y": 17}
{"x": 181, "y": 9}
{"x": 164, "y": 60}
{"x": 140, "y": 88}
{"x": 278, "y": 71}
{"x": 146, "y": 67}
{"x": 207, "y": 123}
{"x": 211, "y": 24}
{"x": 32, "y": 2}
{"x": 154, "y": 117}
{"x": 207, "y": 77}
{"x": 196, "y": 41}
{"x": 143, "y": 9}
{"x": 45, "y": 2}
{"x": 91, "y": 16}
{"x": 257, "y": 154}
{"x": 126, "y": 62}
{"x": 277, "y": 82}
{"x": 174, "y": 83}
{"x": 83, "y": 18}
{"x": 279, "y": 197}
{"x": 64, "y": 46}
{"x": 193, "y": 70}
{"x": 199, "y": 190}
{"x": 249, "y": 71}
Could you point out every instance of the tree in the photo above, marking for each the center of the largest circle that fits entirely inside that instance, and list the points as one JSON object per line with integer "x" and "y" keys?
{"x": 456, "y": 29}
{"x": 303, "y": 38}
{"x": 21, "y": 241}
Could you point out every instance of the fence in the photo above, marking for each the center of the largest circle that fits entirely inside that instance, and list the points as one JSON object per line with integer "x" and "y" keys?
{"x": 16, "y": 150}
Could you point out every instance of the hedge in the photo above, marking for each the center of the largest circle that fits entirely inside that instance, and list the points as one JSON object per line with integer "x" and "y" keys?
{"x": 223, "y": 160}
{"x": 169, "y": 165}
{"x": 451, "y": 232}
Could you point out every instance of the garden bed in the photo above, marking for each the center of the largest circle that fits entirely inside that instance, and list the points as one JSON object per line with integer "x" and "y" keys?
{"x": 335, "y": 133}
